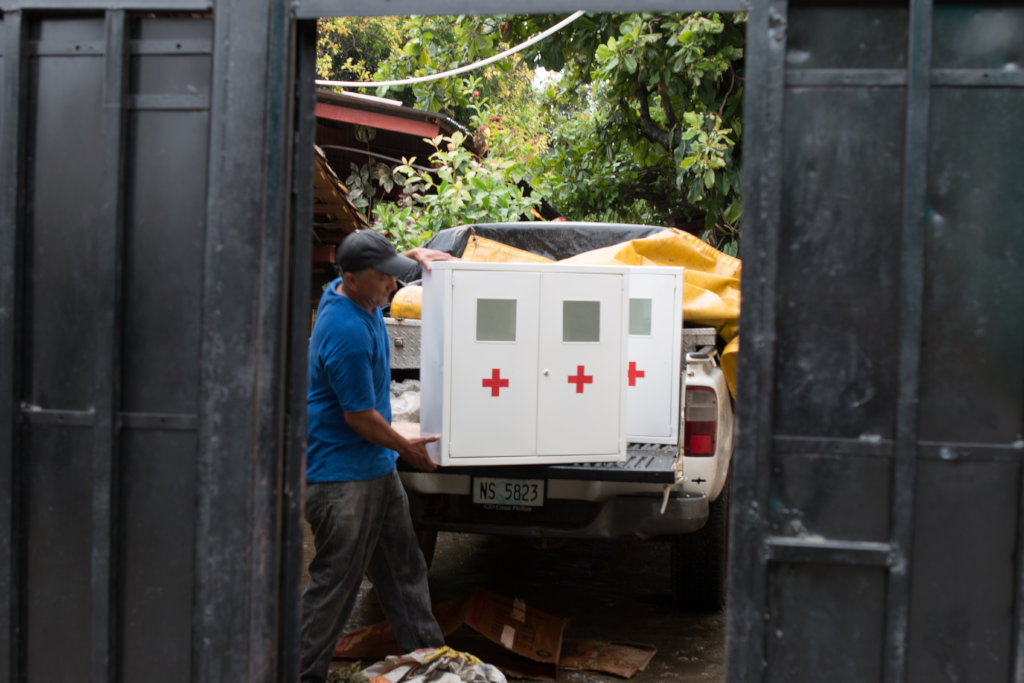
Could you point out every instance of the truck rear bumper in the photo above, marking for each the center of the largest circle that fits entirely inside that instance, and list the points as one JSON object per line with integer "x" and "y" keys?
{"x": 620, "y": 516}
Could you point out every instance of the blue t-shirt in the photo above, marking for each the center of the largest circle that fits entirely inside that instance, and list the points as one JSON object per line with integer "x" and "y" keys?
{"x": 349, "y": 371}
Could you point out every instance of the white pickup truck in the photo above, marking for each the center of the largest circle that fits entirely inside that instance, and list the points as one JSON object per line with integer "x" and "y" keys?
{"x": 677, "y": 492}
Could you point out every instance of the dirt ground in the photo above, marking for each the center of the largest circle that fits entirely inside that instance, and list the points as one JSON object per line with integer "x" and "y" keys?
{"x": 609, "y": 590}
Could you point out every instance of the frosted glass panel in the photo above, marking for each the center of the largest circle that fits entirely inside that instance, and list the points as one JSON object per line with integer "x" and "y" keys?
{"x": 496, "y": 320}
{"x": 640, "y": 317}
{"x": 581, "y": 321}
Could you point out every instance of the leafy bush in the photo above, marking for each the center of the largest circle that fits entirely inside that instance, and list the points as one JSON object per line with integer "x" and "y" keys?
{"x": 460, "y": 189}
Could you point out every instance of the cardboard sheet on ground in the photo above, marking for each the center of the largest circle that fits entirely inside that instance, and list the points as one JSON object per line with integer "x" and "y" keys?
{"x": 620, "y": 659}
{"x": 521, "y": 641}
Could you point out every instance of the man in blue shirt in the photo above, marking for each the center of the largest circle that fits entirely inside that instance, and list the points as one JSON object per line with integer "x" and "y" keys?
{"x": 355, "y": 503}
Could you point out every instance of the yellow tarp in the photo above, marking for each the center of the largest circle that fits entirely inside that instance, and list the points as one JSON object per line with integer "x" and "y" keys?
{"x": 481, "y": 249}
{"x": 711, "y": 286}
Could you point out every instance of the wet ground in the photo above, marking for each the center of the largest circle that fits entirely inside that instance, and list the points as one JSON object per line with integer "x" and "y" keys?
{"x": 610, "y": 590}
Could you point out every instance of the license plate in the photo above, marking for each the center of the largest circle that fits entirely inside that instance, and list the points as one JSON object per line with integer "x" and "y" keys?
{"x": 518, "y": 492}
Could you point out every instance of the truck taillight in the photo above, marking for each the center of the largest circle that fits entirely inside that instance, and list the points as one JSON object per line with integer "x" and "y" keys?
{"x": 701, "y": 421}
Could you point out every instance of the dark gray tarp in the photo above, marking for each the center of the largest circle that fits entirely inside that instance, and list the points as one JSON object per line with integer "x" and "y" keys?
{"x": 555, "y": 240}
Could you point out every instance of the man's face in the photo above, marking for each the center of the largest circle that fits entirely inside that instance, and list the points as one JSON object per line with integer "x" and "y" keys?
{"x": 370, "y": 288}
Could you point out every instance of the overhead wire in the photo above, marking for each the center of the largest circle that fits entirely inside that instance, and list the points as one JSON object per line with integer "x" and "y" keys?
{"x": 462, "y": 69}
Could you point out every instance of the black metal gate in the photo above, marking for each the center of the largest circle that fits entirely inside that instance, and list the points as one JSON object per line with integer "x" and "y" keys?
{"x": 877, "y": 521}
{"x": 150, "y": 352}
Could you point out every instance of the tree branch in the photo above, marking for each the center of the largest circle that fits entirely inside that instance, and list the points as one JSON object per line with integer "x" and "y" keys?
{"x": 728, "y": 92}
{"x": 648, "y": 127}
{"x": 666, "y": 104}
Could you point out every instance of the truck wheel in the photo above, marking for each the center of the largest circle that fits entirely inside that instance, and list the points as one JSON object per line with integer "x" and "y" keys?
{"x": 699, "y": 560}
{"x": 427, "y": 540}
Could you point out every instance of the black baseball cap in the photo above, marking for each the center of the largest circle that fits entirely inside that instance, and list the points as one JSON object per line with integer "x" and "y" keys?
{"x": 369, "y": 249}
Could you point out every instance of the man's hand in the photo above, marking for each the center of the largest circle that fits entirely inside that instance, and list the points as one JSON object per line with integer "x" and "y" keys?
{"x": 424, "y": 256}
{"x": 416, "y": 454}
{"x": 372, "y": 426}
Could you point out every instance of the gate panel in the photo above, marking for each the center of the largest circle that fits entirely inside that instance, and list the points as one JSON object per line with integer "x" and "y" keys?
{"x": 145, "y": 296}
{"x": 169, "y": 79}
{"x": 157, "y": 533}
{"x": 839, "y": 225}
{"x": 807, "y": 600}
{"x": 879, "y": 488}
{"x": 813, "y": 41}
{"x": 168, "y": 120}
{"x": 56, "y": 513}
{"x": 163, "y": 261}
{"x": 63, "y": 290}
{"x": 965, "y": 620}
{"x": 973, "y": 295}
{"x": 66, "y": 81}
{"x": 812, "y": 495}
{"x": 962, "y": 625}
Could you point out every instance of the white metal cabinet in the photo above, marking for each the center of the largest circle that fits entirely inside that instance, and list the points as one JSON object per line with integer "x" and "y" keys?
{"x": 524, "y": 363}
{"x": 655, "y": 351}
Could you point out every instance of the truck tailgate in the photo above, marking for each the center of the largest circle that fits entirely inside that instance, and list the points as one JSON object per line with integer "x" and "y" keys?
{"x": 645, "y": 463}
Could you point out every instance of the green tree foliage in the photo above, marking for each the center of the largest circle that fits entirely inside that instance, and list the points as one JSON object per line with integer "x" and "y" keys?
{"x": 352, "y": 48}
{"x": 645, "y": 119}
{"x": 641, "y": 124}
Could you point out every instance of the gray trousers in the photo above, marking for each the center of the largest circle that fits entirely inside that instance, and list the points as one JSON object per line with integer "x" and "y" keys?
{"x": 363, "y": 528}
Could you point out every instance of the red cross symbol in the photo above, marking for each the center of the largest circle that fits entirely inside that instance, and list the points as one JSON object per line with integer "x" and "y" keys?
{"x": 579, "y": 379}
{"x": 634, "y": 373}
{"x": 495, "y": 383}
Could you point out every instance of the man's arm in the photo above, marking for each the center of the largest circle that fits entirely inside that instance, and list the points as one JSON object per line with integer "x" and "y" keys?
{"x": 372, "y": 426}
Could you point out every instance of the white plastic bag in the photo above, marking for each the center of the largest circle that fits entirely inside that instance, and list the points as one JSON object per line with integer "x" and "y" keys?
{"x": 405, "y": 401}
{"x": 439, "y": 665}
